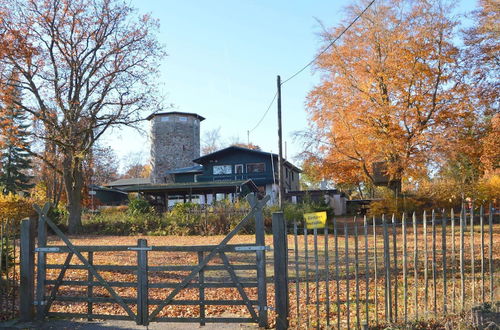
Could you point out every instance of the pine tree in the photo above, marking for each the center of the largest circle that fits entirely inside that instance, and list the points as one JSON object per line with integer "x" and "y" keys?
{"x": 14, "y": 145}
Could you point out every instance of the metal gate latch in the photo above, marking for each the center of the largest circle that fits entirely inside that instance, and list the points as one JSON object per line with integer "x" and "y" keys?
{"x": 47, "y": 249}
{"x": 145, "y": 248}
{"x": 252, "y": 248}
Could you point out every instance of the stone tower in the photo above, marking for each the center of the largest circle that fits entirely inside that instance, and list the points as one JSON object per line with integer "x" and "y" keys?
{"x": 175, "y": 142}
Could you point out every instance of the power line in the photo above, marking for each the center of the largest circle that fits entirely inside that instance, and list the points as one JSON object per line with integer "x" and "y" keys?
{"x": 311, "y": 62}
{"x": 329, "y": 45}
{"x": 265, "y": 113}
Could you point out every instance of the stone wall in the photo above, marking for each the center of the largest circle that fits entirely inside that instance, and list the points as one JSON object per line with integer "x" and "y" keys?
{"x": 175, "y": 142}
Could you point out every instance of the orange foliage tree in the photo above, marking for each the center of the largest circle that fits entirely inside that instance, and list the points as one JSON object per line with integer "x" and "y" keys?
{"x": 89, "y": 65}
{"x": 387, "y": 93}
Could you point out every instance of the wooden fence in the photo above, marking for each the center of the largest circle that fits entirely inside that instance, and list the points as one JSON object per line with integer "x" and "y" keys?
{"x": 9, "y": 272}
{"x": 367, "y": 272}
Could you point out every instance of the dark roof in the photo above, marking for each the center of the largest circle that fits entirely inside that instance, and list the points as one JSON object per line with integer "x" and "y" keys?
{"x": 191, "y": 169}
{"x": 128, "y": 182}
{"x": 194, "y": 186}
{"x": 101, "y": 188}
{"x": 217, "y": 153}
{"x": 201, "y": 118}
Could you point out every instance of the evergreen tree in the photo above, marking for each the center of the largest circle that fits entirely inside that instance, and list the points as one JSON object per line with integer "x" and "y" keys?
{"x": 14, "y": 145}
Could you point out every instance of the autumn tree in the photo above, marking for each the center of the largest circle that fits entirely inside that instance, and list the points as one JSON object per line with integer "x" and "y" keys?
{"x": 15, "y": 160}
{"x": 387, "y": 91}
{"x": 211, "y": 141}
{"x": 88, "y": 65}
{"x": 471, "y": 152}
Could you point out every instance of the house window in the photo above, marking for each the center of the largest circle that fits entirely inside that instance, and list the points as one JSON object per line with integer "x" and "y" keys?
{"x": 238, "y": 168}
{"x": 256, "y": 168}
{"x": 222, "y": 169}
{"x": 293, "y": 176}
{"x": 183, "y": 119}
{"x": 286, "y": 173}
{"x": 165, "y": 118}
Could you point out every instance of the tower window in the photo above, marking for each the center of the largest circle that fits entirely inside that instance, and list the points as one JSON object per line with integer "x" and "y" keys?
{"x": 165, "y": 118}
{"x": 183, "y": 119}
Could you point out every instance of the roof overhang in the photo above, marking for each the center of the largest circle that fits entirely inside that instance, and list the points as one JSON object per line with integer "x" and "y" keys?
{"x": 201, "y": 118}
{"x": 194, "y": 187}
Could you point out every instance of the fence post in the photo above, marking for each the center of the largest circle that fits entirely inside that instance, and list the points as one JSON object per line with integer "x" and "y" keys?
{"x": 142, "y": 282}
{"x": 41, "y": 268}
{"x": 261, "y": 263}
{"x": 280, "y": 271}
{"x": 27, "y": 270}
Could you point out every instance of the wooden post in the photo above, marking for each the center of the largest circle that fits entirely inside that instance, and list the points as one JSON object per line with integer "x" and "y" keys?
{"x": 327, "y": 275}
{"x": 490, "y": 256}
{"x": 261, "y": 266}
{"x": 472, "y": 264}
{"x": 201, "y": 291}
{"x": 281, "y": 184}
{"x": 453, "y": 261}
{"x": 367, "y": 279}
{"x": 356, "y": 273}
{"x": 335, "y": 234}
{"x": 41, "y": 269}
{"x": 405, "y": 280}
{"x": 415, "y": 264}
{"x": 375, "y": 271}
{"x": 434, "y": 265}
{"x": 90, "y": 287}
{"x": 395, "y": 257}
{"x": 297, "y": 273}
{"x": 142, "y": 282}
{"x": 316, "y": 275}
{"x": 280, "y": 271}
{"x": 443, "y": 249}
{"x": 387, "y": 253}
{"x": 426, "y": 271}
{"x": 481, "y": 216}
{"x": 306, "y": 260}
{"x": 348, "y": 298}
{"x": 462, "y": 282}
{"x": 27, "y": 265}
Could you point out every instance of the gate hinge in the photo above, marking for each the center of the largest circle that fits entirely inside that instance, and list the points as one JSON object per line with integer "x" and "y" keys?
{"x": 43, "y": 302}
{"x": 47, "y": 249}
{"x": 142, "y": 248}
{"x": 252, "y": 248}
{"x": 266, "y": 308}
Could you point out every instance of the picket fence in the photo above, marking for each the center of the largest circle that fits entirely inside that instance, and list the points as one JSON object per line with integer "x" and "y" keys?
{"x": 371, "y": 271}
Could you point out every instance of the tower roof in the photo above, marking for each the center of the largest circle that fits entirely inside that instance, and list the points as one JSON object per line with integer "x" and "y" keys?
{"x": 201, "y": 118}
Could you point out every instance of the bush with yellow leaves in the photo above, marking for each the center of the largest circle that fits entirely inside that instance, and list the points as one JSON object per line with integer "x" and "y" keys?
{"x": 15, "y": 207}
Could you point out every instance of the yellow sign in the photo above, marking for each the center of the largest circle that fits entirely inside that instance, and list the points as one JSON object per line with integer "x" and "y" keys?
{"x": 315, "y": 220}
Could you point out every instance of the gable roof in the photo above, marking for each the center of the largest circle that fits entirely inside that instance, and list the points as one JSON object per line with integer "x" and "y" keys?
{"x": 220, "y": 152}
{"x": 128, "y": 182}
{"x": 151, "y": 116}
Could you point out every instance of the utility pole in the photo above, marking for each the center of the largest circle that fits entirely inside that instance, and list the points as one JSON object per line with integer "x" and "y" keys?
{"x": 280, "y": 156}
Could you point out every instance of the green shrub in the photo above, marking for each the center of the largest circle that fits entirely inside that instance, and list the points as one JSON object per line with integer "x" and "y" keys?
{"x": 138, "y": 206}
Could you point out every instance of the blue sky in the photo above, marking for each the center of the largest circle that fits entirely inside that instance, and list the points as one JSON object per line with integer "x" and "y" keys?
{"x": 222, "y": 63}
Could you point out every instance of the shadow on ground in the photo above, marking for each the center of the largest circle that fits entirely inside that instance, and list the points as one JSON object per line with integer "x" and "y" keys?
{"x": 123, "y": 325}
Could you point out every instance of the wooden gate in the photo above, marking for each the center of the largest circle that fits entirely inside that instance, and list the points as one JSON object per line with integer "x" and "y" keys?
{"x": 142, "y": 308}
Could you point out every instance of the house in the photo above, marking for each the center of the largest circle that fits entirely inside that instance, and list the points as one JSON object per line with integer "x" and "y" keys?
{"x": 179, "y": 174}
{"x": 227, "y": 173}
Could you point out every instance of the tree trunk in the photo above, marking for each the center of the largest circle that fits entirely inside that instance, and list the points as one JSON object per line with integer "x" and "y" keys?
{"x": 73, "y": 184}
